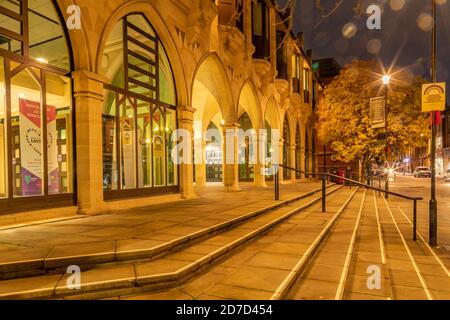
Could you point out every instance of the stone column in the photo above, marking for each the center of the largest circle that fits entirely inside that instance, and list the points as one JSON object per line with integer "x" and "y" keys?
{"x": 259, "y": 167}
{"x": 186, "y": 122}
{"x": 302, "y": 161}
{"x": 230, "y": 156}
{"x": 89, "y": 95}
{"x": 277, "y": 147}
{"x": 292, "y": 150}
{"x": 200, "y": 166}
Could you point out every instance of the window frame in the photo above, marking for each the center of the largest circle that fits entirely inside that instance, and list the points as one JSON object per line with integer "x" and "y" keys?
{"x": 10, "y": 203}
{"x": 155, "y": 104}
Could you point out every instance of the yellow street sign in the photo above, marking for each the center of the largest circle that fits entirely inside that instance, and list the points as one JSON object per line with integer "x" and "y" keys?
{"x": 433, "y": 97}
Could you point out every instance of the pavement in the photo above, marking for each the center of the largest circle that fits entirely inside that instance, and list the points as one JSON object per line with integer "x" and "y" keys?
{"x": 421, "y": 187}
{"x": 238, "y": 245}
{"x": 105, "y": 237}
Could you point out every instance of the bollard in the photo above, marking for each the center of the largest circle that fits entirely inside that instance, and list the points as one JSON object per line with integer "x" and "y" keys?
{"x": 277, "y": 183}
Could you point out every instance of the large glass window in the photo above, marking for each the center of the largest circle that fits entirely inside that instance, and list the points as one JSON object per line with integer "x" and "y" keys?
{"x": 261, "y": 29}
{"x": 139, "y": 116}
{"x": 306, "y": 85}
{"x": 296, "y": 72}
{"x": 36, "y": 159}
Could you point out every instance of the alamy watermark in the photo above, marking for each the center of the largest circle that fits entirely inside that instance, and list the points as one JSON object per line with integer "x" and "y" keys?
{"x": 374, "y": 280}
{"x": 73, "y": 282}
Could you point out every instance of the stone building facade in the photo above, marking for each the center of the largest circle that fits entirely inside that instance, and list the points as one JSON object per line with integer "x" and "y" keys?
{"x": 115, "y": 87}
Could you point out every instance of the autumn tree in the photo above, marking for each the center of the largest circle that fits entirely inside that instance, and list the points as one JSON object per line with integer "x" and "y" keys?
{"x": 344, "y": 115}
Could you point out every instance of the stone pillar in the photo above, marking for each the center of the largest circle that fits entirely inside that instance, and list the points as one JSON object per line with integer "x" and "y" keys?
{"x": 259, "y": 167}
{"x": 186, "y": 122}
{"x": 277, "y": 147}
{"x": 292, "y": 150}
{"x": 88, "y": 93}
{"x": 200, "y": 167}
{"x": 230, "y": 156}
{"x": 302, "y": 161}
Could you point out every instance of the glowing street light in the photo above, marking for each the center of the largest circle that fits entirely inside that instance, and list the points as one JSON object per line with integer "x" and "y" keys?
{"x": 386, "y": 79}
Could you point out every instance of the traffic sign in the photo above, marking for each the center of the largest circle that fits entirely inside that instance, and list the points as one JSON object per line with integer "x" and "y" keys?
{"x": 377, "y": 112}
{"x": 433, "y": 97}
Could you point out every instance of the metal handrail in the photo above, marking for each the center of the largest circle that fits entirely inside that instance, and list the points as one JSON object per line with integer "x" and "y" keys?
{"x": 324, "y": 188}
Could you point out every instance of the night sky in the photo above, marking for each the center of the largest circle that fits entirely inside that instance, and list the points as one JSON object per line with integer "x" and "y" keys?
{"x": 404, "y": 38}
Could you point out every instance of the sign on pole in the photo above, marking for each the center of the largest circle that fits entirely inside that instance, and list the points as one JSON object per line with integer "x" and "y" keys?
{"x": 377, "y": 112}
{"x": 433, "y": 97}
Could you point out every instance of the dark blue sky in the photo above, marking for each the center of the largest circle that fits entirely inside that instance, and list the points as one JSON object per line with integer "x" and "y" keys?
{"x": 400, "y": 35}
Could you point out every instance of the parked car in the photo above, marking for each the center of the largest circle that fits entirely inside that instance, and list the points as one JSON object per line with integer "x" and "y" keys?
{"x": 447, "y": 176}
{"x": 422, "y": 172}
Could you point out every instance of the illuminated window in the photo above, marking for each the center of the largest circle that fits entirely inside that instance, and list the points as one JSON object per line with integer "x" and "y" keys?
{"x": 139, "y": 115}
{"x": 36, "y": 159}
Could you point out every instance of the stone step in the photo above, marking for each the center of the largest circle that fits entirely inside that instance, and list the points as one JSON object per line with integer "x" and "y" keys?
{"x": 321, "y": 262}
{"x": 167, "y": 271}
{"x": 322, "y": 258}
{"x": 262, "y": 266}
{"x": 34, "y": 261}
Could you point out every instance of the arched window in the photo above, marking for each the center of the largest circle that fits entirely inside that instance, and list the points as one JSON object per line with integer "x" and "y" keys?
{"x": 139, "y": 114}
{"x": 286, "y": 149}
{"x": 36, "y": 158}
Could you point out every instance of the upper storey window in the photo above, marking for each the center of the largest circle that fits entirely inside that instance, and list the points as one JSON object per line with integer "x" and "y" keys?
{"x": 261, "y": 29}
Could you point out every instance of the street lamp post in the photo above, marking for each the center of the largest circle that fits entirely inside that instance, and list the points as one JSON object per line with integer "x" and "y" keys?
{"x": 433, "y": 201}
{"x": 386, "y": 81}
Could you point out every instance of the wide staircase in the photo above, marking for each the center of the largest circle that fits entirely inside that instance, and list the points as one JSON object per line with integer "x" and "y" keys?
{"x": 361, "y": 247}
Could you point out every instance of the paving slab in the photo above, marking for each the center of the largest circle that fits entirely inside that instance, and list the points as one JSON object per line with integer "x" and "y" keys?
{"x": 238, "y": 293}
{"x": 256, "y": 278}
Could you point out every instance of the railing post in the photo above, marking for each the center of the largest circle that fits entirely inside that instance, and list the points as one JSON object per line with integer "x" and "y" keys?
{"x": 324, "y": 193}
{"x": 415, "y": 221}
{"x": 277, "y": 182}
{"x": 379, "y": 187}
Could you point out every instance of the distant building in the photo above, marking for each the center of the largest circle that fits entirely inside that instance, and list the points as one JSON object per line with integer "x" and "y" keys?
{"x": 327, "y": 69}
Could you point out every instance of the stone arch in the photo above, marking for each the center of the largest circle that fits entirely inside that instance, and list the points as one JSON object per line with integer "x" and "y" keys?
{"x": 210, "y": 79}
{"x": 271, "y": 114}
{"x": 76, "y": 39}
{"x": 249, "y": 102}
{"x": 211, "y": 98}
{"x": 164, "y": 34}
